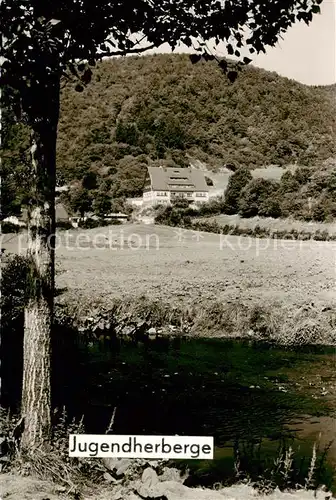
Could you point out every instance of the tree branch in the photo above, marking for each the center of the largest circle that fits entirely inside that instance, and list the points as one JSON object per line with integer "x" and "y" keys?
{"x": 124, "y": 52}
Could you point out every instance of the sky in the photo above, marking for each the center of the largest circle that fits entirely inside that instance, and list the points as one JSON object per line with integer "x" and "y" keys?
{"x": 306, "y": 53}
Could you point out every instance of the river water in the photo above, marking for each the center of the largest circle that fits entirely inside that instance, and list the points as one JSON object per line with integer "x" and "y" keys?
{"x": 257, "y": 400}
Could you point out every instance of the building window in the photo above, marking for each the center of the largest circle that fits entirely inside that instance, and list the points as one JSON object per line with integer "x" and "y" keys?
{"x": 178, "y": 178}
{"x": 201, "y": 195}
{"x": 181, "y": 194}
{"x": 185, "y": 186}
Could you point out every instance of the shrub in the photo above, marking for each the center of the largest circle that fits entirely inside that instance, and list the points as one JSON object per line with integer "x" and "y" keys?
{"x": 162, "y": 214}
{"x": 94, "y": 223}
{"x": 13, "y": 300}
{"x": 175, "y": 217}
{"x": 187, "y": 221}
{"x": 111, "y": 222}
{"x": 213, "y": 207}
{"x": 180, "y": 203}
{"x": 237, "y": 182}
{"x": 321, "y": 235}
{"x": 191, "y": 212}
{"x": 8, "y": 227}
{"x": 89, "y": 223}
{"x": 64, "y": 225}
{"x": 13, "y": 287}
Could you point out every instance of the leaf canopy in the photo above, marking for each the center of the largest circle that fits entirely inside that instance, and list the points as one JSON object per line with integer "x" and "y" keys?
{"x": 44, "y": 38}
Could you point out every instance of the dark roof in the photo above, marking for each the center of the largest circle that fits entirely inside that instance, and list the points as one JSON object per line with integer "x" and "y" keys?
{"x": 167, "y": 178}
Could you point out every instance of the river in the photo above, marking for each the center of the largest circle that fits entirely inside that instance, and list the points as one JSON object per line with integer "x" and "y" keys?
{"x": 257, "y": 400}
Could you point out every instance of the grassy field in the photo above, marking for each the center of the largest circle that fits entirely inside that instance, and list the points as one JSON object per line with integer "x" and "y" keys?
{"x": 187, "y": 267}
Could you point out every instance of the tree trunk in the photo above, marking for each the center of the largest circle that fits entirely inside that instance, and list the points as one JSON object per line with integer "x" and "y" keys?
{"x": 36, "y": 388}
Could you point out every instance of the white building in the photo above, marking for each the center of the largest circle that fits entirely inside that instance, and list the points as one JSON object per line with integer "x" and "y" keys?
{"x": 163, "y": 185}
{"x": 135, "y": 202}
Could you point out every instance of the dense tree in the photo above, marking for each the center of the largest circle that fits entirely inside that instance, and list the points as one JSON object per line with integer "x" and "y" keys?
{"x": 270, "y": 207}
{"x": 255, "y": 198}
{"x": 80, "y": 201}
{"x": 302, "y": 175}
{"x": 42, "y": 41}
{"x": 102, "y": 203}
{"x": 89, "y": 181}
{"x": 238, "y": 180}
{"x": 15, "y": 171}
{"x": 289, "y": 183}
{"x": 321, "y": 209}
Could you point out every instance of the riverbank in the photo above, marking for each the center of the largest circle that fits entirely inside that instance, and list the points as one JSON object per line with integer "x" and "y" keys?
{"x": 17, "y": 487}
{"x": 143, "y": 318}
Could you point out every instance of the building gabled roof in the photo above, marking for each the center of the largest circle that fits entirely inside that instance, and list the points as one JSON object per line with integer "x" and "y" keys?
{"x": 174, "y": 179}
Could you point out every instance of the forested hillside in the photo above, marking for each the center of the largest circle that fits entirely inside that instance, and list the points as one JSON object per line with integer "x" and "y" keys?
{"x": 162, "y": 106}
{"x": 139, "y": 110}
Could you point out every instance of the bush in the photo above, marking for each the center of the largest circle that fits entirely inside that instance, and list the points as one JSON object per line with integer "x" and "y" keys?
{"x": 175, "y": 217}
{"x": 13, "y": 287}
{"x": 191, "y": 212}
{"x": 13, "y": 300}
{"x": 237, "y": 182}
{"x": 8, "y": 227}
{"x": 111, "y": 222}
{"x": 180, "y": 203}
{"x": 162, "y": 214}
{"x": 89, "y": 224}
{"x": 213, "y": 207}
{"x": 321, "y": 235}
{"x": 187, "y": 222}
{"x": 64, "y": 225}
{"x": 324, "y": 209}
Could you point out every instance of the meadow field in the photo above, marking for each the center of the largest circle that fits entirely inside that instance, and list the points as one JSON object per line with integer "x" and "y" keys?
{"x": 186, "y": 267}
